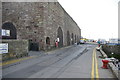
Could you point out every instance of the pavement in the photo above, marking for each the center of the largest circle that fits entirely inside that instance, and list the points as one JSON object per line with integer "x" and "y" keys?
{"x": 25, "y": 68}
{"x": 77, "y": 61}
{"x": 53, "y": 71}
{"x": 86, "y": 67}
{"x": 114, "y": 68}
{"x": 104, "y": 73}
{"x": 32, "y": 54}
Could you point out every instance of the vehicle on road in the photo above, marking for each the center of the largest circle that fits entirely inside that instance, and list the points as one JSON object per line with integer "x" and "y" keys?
{"x": 82, "y": 41}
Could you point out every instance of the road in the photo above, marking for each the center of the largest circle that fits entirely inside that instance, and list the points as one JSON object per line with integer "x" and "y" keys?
{"x": 77, "y": 61}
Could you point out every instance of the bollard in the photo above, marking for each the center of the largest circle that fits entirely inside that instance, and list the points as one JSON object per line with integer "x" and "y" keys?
{"x": 105, "y": 64}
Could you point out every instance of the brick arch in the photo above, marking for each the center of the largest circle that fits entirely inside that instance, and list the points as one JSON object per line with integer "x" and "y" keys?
{"x": 48, "y": 40}
{"x": 60, "y": 36}
{"x": 13, "y": 32}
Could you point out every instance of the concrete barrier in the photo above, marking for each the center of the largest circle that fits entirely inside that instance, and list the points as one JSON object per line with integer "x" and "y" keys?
{"x": 103, "y": 53}
{"x": 113, "y": 68}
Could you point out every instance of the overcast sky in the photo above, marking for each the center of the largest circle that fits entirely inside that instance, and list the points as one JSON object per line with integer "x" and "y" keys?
{"x": 96, "y": 18}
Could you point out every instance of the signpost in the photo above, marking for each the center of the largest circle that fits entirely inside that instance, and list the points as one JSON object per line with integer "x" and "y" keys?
{"x": 58, "y": 39}
{"x": 3, "y": 48}
{"x": 5, "y": 32}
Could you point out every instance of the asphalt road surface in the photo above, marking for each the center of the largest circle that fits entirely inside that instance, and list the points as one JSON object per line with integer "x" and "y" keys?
{"x": 77, "y": 61}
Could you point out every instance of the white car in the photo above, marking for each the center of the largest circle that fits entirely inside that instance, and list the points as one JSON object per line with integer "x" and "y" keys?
{"x": 82, "y": 41}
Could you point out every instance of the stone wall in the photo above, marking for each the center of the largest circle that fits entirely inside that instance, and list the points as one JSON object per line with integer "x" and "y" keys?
{"x": 27, "y": 18}
{"x": 36, "y": 21}
{"x": 16, "y": 49}
{"x": 72, "y": 27}
{"x": 55, "y": 16}
{"x": 53, "y": 19}
{"x": 108, "y": 49}
{"x": 111, "y": 48}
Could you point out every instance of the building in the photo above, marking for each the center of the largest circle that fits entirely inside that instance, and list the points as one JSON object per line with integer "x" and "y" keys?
{"x": 42, "y": 23}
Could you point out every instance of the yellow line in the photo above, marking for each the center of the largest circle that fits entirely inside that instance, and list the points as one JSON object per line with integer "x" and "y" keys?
{"x": 94, "y": 66}
{"x": 14, "y": 61}
{"x": 92, "y": 72}
{"x": 97, "y": 74}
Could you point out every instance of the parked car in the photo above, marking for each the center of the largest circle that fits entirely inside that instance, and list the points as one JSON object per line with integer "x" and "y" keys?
{"x": 82, "y": 41}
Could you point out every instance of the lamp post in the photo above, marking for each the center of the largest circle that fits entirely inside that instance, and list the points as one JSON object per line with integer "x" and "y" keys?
{"x": 112, "y": 58}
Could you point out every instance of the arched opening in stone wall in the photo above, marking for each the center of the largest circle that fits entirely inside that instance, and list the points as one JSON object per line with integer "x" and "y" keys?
{"x": 60, "y": 36}
{"x": 68, "y": 38}
{"x": 12, "y": 34}
{"x": 48, "y": 41}
{"x": 33, "y": 46}
{"x": 72, "y": 38}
